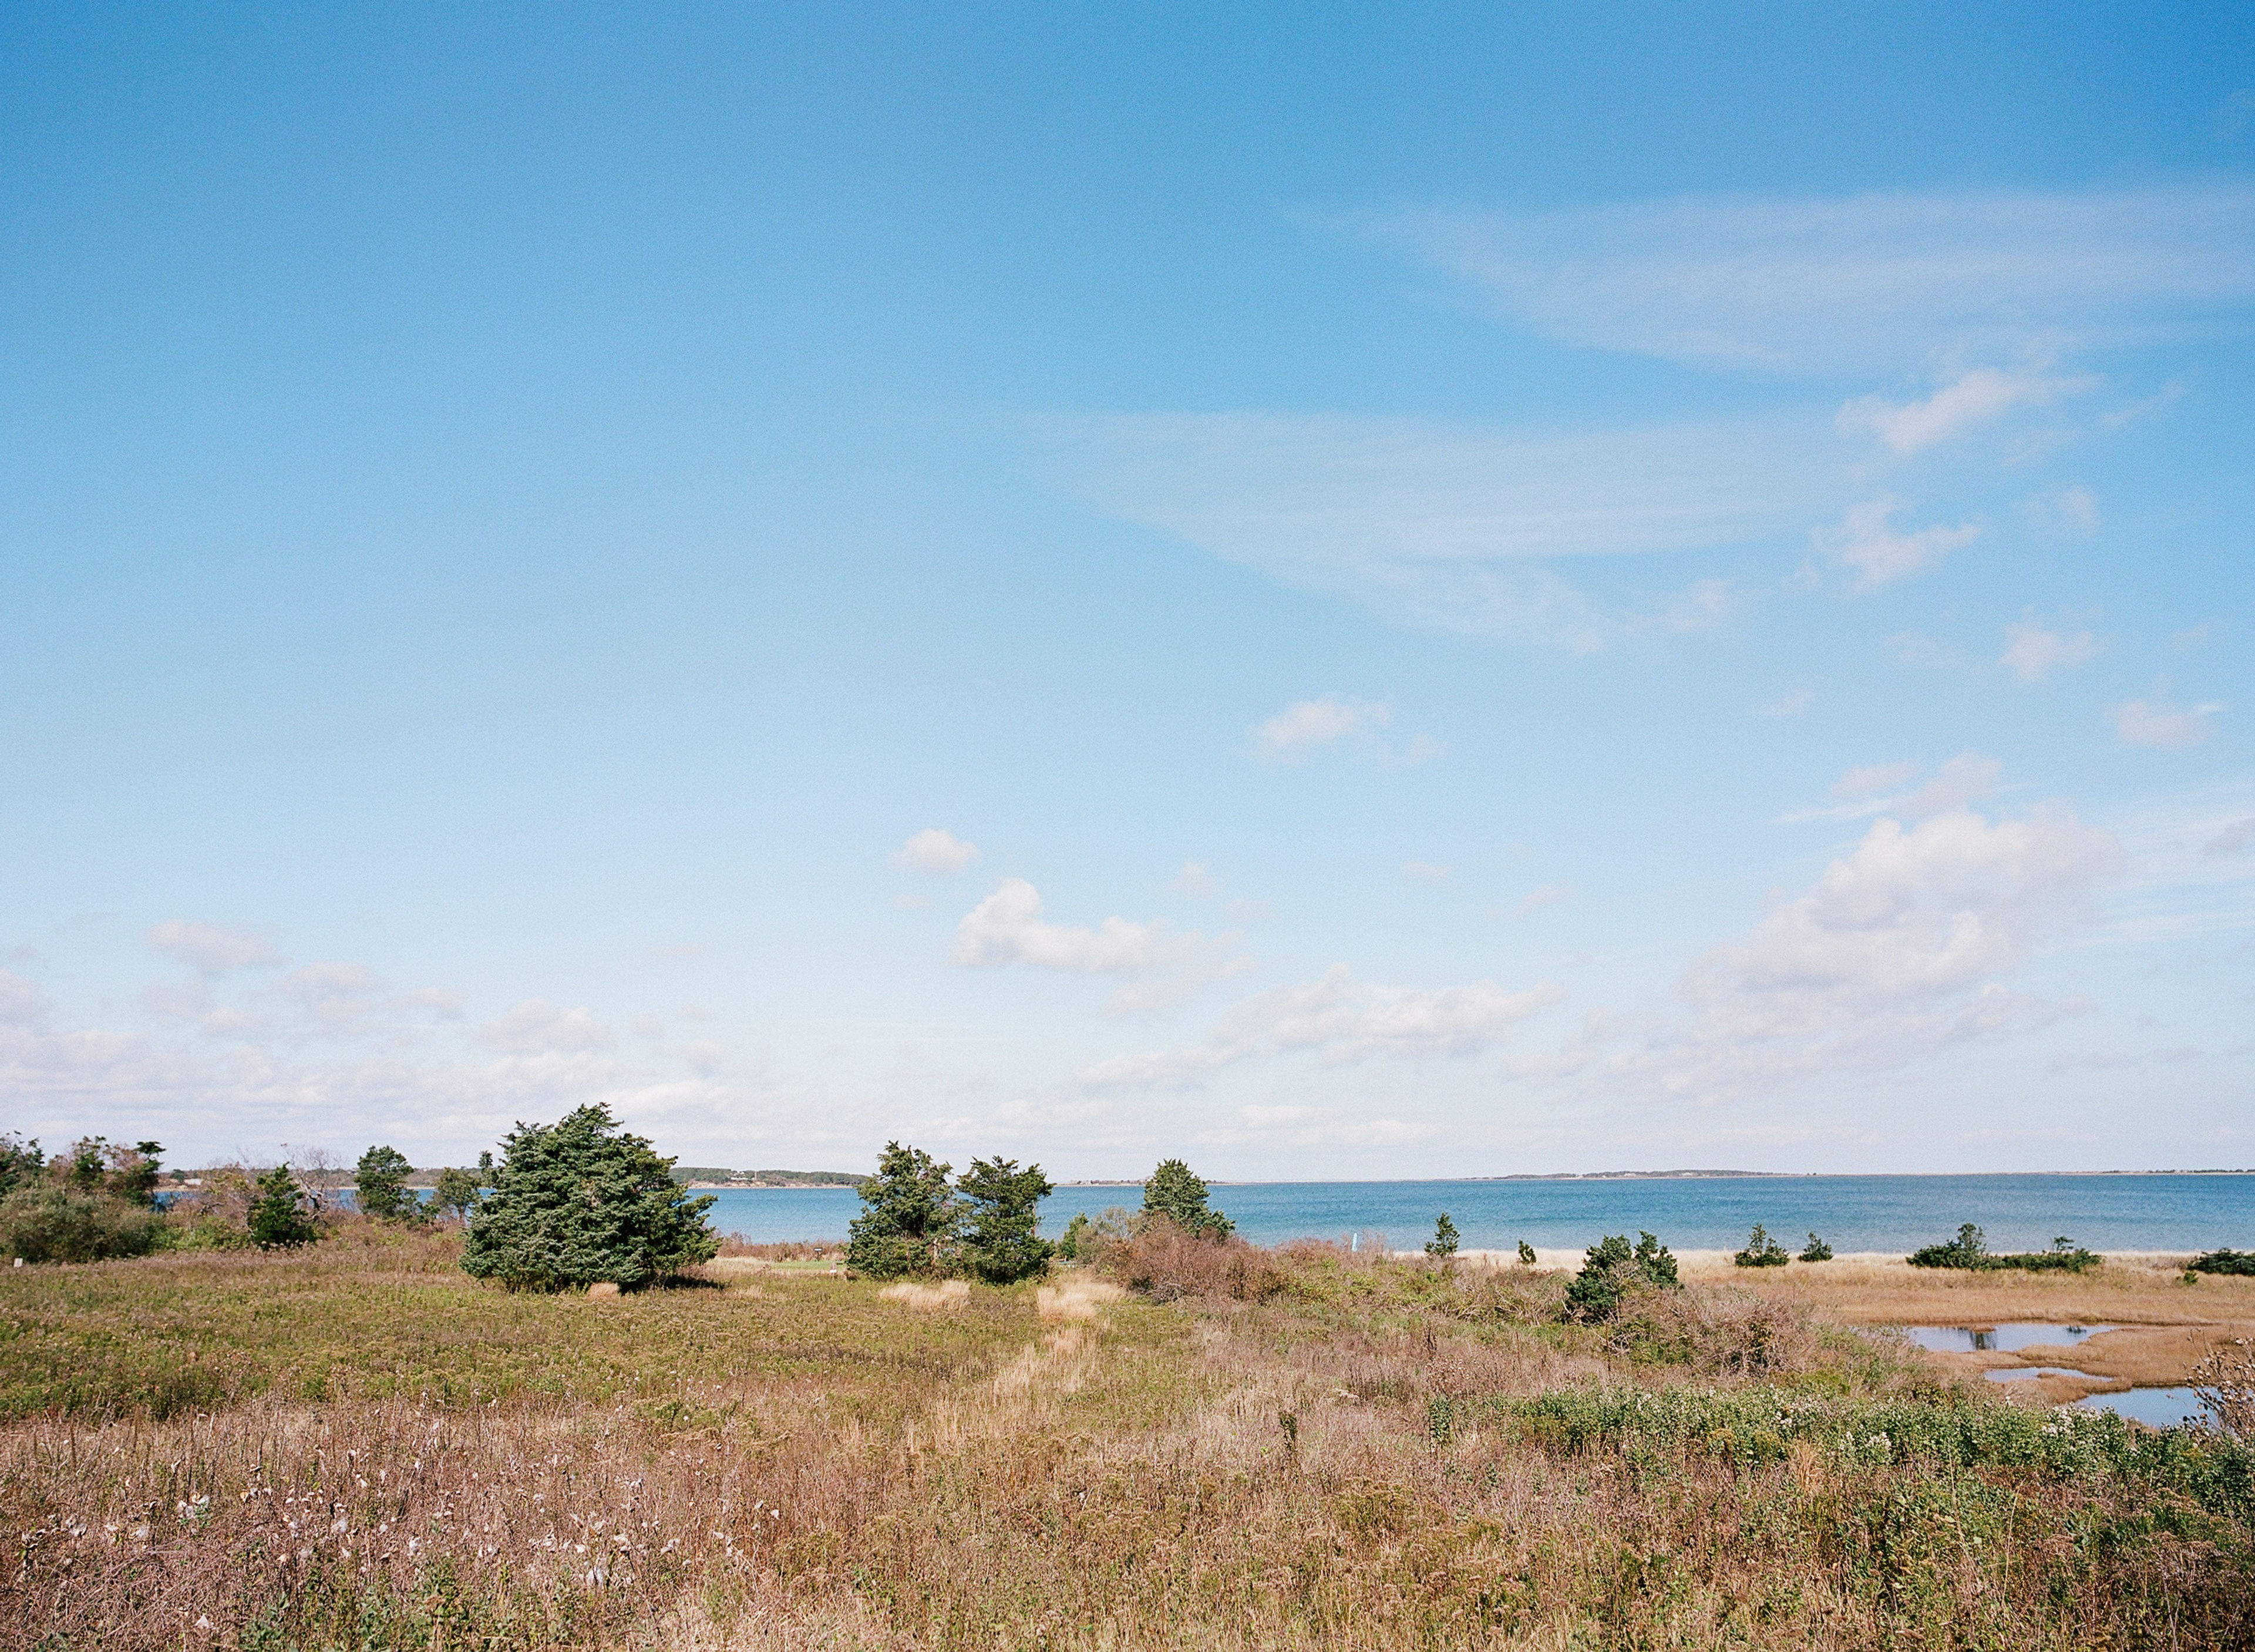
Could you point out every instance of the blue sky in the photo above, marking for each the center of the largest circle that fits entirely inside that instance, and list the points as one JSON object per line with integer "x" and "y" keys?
{"x": 1387, "y": 593}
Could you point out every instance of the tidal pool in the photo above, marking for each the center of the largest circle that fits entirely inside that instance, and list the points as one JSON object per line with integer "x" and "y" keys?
{"x": 1998, "y": 1338}
{"x": 2155, "y": 1408}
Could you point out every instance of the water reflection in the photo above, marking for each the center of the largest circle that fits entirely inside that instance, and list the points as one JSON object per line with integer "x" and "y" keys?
{"x": 2008, "y": 1338}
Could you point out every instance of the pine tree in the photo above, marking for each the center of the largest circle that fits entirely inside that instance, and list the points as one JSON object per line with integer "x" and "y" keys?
{"x": 1001, "y": 1244}
{"x": 1174, "y": 1193}
{"x": 908, "y": 1220}
{"x": 278, "y": 1217}
{"x": 380, "y": 1185}
{"x": 581, "y": 1201}
{"x": 1443, "y": 1241}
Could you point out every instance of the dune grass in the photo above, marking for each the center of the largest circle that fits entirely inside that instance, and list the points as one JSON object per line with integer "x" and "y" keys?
{"x": 1300, "y": 1449}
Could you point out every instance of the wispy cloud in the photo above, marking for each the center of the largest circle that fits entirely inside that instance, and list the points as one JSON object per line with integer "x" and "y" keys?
{"x": 2161, "y": 726}
{"x": 1883, "y": 283}
{"x": 2033, "y": 650}
{"x": 1972, "y": 399}
{"x": 213, "y": 949}
{"x": 1308, "y": 725}
{"x": 1456, "y": 531}
{"x": 1867, "y": 541}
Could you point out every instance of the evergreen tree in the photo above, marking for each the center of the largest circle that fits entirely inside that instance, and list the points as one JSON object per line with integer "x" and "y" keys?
{"x": 1443, "y": 1241}
{"x": 1762, "y": 1251}
{"x": 1818, "y": 1250}
{"x": 1000, "y": 1241}
{"x": 278, "y": 1217}
{"x": 21, "y": 1162}
{"x": 1526, "y": 1255}
{"x": 379, "y": 1180}
{"x": 581, "y": 1201}
{"x": 908, "y": 1218}
{"x": 1610, "y": 1266}
{"x": 1174, "y": 1193}
{"x": 134, "y": 1171}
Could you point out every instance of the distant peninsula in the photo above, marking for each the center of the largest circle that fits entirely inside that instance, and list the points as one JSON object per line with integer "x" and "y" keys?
{"x": 720, "y": 1176}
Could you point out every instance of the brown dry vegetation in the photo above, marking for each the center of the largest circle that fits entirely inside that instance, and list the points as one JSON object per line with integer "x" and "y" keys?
{"x": 360, "y": 1448}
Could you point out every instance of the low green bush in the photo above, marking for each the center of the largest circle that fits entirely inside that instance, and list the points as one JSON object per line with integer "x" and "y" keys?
{"x": 50, "y": 1220}
{"x": 1970, "y": 1251}
{"x": 1762, "y": 1251}
{"x": 2222, "y": 1262}
{"x": 1815, "y": 1250}
{"x": 1611, "y": 1265}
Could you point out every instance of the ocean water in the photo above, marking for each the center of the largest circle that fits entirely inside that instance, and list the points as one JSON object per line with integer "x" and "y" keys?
{"x": 1853, "y": 1212}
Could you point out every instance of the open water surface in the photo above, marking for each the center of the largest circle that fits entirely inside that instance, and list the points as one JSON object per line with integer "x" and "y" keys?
{"x": 1895, "y": 1214}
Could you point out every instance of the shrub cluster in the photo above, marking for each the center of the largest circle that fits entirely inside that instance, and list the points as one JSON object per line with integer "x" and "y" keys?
{"x": 92, "y": 1203}
{"x": 1970, "y": 1251}
{"x": 1762, "y": 1251}
{"x": 916, "y": 1224}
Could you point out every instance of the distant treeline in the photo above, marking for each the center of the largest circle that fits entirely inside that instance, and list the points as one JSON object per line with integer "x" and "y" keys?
{"x": 688, "y": 1173}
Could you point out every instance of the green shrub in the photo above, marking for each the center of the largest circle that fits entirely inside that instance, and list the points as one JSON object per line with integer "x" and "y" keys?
{"x": 581, "y": 1202}
{"x": 2222, "y": 1262}
{"x": 1174, "y": 1193}
{"x": 1526, "y": 1255}
{"x": 1000, "y": 1201}
{"x": 1970, "y": 1251}
{"x": 1762, "y": 1251}
{"x": 1076, "y": 1232}
{"x": 1611, "y": 1264}
{"x": 1445, "y": 1240}
{"x": 50, "y": 1221}
{"x": 279, "y": 1218}
{"x": 1815, "y": 1250}
{"x": 909, "y": 1220}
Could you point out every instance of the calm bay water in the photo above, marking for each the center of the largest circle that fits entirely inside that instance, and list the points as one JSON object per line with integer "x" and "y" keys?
{"x": 1852, "y": 1213}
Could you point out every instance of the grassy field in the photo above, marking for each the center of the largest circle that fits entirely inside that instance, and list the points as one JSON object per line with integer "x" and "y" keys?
{"x": 360, "y": 1448}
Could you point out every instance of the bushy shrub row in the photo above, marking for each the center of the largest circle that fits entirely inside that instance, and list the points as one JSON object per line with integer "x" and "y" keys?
{"x": 1970, "y": 1251}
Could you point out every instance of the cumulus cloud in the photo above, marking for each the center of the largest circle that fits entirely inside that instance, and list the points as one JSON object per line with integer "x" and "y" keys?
{"x": 1903, "y": 946}
{"x": 2237, "y": 839}
{"x": 1963, "y": 779}
{"x": 1340, "y": 1020}
{"x": 1309, "y": 724}
{"x": 1973, "y": 398}
{"x": 2034, "y": 651}
{"x": 1163, "y": 964}
{"x": 212, "y": 948}
{"x": 935, "y": 849}
{"x": 1867, "y": 541}
{"x": 2161, "y": 726}
{"x": 536, "y": 1027}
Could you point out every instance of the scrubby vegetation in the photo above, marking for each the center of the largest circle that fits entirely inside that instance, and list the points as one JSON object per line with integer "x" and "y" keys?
{"x": 357, "y": 1446}
{"x": 92, "y": 1203}
{"x": 1175, "y": 1193}
{"x": 1970, "y": 1251}
{"x": 1445, "y": 1239}
{"x": 1610, "y": 1266}
{"x": 1815, "y": 1250}
{"x": 2222, "y": 1262}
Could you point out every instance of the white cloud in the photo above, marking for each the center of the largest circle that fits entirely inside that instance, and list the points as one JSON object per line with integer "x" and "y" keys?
{"x": 1535, "y": 900}
{"x": 1873, "y": 778}
{"x": 2158, "y": 724}
{"x": 2237, "y": 839}
{"x": 1792, "y": 703}
{"x": 22, "y": 1004}
{"x": 2034, "y": 651}
{"x": 536, "y": 1027}
{"x": 2075, "y": 507}
{"x": 1972, "y": 399}
{"x": 1867, "y": 541}
{"x": 212, "y": 948}
{"x": 1195, "y": 878}
{"x": 1447, "y": 529}
{"x": 1869, "y": 282}
{"x": 1302, "y": 728}
{"x": 1341, "y": 1020}
{"x": 935, "y": 849}
{"x": 1164, "y": 964}
{"x": 1962, "y": 780}
{"x": 1900, "y": 948}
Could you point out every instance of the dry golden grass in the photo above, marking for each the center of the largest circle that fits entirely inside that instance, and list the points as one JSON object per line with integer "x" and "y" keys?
{"x": 948, "y": 1293}
{"x": 1338, "y": 1457}
{"x": 1888, "y": 1291}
